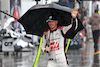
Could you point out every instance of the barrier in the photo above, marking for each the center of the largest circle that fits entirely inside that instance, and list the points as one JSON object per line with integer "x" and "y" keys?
{"x": 75, "y": 43}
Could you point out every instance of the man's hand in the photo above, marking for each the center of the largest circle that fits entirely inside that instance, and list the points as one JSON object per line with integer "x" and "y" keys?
{"x": 74, "y": 13}
{"x": 47, "y": 49}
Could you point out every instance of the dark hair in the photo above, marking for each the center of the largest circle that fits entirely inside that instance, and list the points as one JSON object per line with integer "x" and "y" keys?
{"x": 96, "y": 10}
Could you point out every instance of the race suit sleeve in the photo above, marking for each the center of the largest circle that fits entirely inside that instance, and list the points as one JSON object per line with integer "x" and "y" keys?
{"x": 43, "y": 42}
{"x": 71, "y": 30}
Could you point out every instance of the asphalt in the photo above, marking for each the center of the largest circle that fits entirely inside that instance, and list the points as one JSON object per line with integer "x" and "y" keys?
{"x": 83, "y": 57}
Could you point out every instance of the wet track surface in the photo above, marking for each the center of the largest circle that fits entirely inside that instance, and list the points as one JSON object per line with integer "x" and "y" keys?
{"x": 80, "y": 58}
{"x": 76, "y": 58}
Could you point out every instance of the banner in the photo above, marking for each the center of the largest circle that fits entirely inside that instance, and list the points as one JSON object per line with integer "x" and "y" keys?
{"x": 15, "y": 8}
{"x": 75, "y": 43}
{"x": 7, "y": 44}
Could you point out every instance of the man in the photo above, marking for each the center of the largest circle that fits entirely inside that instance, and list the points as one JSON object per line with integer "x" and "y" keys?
{"x": 53, "y": 41}
{"x": 94, "y": 21}
{"x": 84, "y": 13}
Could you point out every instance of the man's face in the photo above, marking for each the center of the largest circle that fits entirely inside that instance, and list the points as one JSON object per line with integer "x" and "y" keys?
{"x": 53, "y": 24}
{"x": 83, "y": 9}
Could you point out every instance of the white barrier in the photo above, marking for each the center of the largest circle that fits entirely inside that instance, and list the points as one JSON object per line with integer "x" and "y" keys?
{"x": 7, "y": 44}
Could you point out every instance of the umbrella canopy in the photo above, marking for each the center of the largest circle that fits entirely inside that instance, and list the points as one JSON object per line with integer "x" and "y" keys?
{"x": 34, "y": 20}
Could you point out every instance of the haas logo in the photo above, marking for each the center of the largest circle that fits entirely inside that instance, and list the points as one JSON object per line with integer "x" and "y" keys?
{"x": 54, "y": 46}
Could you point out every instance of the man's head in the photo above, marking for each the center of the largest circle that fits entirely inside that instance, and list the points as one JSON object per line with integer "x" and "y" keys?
{"x": 52, "y": 23}
{"x": 83, "y": 9}
{"x": 96, "y": 10}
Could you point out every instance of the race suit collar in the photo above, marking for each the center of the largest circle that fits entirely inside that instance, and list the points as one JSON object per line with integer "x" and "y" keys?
{"x": 53, "y": 30}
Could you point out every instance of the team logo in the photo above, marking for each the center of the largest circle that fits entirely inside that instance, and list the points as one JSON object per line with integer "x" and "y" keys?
{"x": 54, "y": 46}
{"x": 50, "y": 17}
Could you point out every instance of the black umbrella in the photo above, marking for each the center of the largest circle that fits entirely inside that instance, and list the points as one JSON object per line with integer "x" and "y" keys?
{"x": 34, "y": 20}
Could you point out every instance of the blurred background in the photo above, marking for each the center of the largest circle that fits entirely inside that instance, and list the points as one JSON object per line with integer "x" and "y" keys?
{"x": 81, "y": 52}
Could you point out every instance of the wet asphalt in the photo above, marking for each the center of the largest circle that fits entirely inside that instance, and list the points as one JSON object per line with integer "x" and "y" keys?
{"x": 83, "y": 57}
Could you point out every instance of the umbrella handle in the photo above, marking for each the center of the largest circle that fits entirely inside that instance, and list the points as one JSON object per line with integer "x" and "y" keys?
{"x": 47, "y": 46}
{"x": 47, "y": 51}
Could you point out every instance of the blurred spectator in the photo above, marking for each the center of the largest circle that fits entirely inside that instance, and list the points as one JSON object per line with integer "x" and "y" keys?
{"x": 79, "y": 10}
{"x": 83, "y": 33}
{"x": 84, "y": 13}
{"x": 79, "y": 14}
{"x": 94, "y": 21}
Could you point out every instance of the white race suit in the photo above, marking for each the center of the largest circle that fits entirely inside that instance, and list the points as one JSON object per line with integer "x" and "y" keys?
{"x": 56, "y": 41}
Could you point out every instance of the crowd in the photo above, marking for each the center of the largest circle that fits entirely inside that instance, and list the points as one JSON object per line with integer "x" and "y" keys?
{"x": 94, "y": 21}
{"x": 82, "y": 14}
